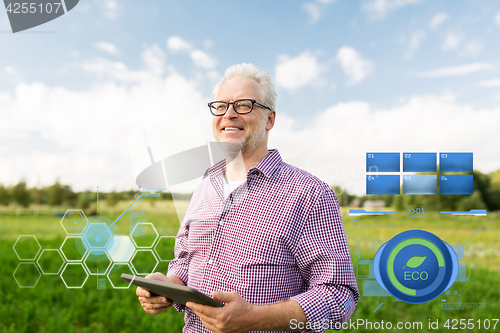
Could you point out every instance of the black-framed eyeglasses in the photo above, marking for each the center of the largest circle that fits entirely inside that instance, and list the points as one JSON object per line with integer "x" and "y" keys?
{"x": 241, "y": 106}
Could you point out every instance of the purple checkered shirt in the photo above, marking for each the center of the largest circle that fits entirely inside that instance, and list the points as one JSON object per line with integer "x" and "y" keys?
{"x": 278, "y": 236}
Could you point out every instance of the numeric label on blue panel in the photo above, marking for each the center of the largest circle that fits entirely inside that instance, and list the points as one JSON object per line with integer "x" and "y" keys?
{"x": 456, "y": 184}
{"x": 382, "y": 184}
{"x": 382, "y": 162}
{"x": 420, "y": 184}
{"x": 419, "y": 162}
{"x": 455, "y": 162}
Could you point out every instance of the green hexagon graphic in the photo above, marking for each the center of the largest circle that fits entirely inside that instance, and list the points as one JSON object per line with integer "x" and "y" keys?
{"x": 72, "y": 249}
{"x": 97, "y": 263}
{"x": 27, "y": 275}
{"x": 74, "y": 275}
{"x": 144, "y": 235}
{"x": 27, "y": 247}
{"x": 144, "y": 262}
{"x": 74, "y": 222}
{"x": 114, "y": 275}
{"x": 165, "y": 248}
{"x": 50, "y": 262}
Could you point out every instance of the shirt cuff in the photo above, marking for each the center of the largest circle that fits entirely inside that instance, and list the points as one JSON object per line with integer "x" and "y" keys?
{"x": 180, "y": 272}
{"x": 315, "y": 307}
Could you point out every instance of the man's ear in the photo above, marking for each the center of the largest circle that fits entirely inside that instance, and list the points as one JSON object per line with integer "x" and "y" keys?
{"x": 271, "y": 117}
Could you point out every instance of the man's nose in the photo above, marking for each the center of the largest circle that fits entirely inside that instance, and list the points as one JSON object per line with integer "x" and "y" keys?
{"x": 230, "y": 113}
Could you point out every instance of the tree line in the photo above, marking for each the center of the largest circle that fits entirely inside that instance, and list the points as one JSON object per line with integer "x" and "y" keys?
{"x": 59, "y": 194}
{"x": 486, "y": 195}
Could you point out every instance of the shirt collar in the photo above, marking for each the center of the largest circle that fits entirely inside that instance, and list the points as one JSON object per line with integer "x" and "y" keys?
{"x": 267, "y": 166}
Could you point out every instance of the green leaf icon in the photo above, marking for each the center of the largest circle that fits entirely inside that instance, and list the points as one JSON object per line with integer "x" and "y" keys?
{"x": 415, "y": 261}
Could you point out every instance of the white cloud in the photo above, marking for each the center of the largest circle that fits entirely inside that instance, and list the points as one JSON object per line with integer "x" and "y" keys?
{"x": 299, "y": 71}
{"x": 456, "y": 70}
{"x": 107, "y": 47}
{"x": 452, "y": 41}
{"x": 208, "y": 43}
{"x": 177, "y": 44}
{"x": 81, "y": 136}
{"x": 438, "y": 19}
{"x": 490, "y": 83}
{"x": 414, "y": 42}
{"x": 203, "y": 60}
{"x": 472, "y": 49}
{"x": 355, "y": 67}
{"x": 304, "y": 145}
{"x": 380, "y": 8}
{"x": 154, "y": 59}
{"x": 312, "y": 9}
{"x": 497, "y": 19}
{"x": 109, "y": 8}
{"x": 9, "y": 70}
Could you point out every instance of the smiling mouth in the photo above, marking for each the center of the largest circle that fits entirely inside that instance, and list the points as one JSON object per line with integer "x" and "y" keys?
{"x": 228, "y": 129}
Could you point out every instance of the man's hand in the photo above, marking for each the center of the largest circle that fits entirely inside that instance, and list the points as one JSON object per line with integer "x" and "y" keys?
{"x": 157, "y": 304}
{"x": 234, "y": 317}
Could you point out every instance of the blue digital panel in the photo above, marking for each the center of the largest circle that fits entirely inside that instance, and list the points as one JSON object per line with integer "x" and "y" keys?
{"x": 382, "y": 162}
{"x": 385, "y": 184}
{"x": 419, "y": 162}
{"x": 456, "y": 184}
{"x": 420, "y": 184}
{"x": 455, "y": 162}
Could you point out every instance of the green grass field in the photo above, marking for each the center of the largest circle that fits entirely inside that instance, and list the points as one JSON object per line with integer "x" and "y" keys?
{"x": 51, "y": 307}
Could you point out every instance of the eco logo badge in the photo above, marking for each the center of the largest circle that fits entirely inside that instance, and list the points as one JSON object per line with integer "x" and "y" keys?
{"x": 25, "y": 15}
{"x": 415, "y": 266}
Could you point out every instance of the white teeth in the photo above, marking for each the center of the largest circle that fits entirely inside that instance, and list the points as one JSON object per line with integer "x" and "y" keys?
{"x": 231, "y": 129}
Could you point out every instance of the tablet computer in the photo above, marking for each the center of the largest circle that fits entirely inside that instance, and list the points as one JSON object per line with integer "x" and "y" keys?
{"x": 174, "y": 292}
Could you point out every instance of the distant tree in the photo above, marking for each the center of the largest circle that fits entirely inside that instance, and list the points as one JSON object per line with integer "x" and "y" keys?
{"x": 70, "y": 197}
{"x": 84, "y": 200}
{"x": 399, "y": 202}
{"x": 112, "y": 198}
{"x": 493, "y": 192}
{"x": 473, "y": 201}
{"x": 4, "y": 196}
{"x": 38, "y": 195}
{"x": 56, "y": 194}
{"x": 21, "y": 195}
{"x": 129, "y": 195}
{"x": 166, "y": 196}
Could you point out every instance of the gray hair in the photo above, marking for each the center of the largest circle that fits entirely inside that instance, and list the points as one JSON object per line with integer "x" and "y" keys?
{"x": 263, "y": 78}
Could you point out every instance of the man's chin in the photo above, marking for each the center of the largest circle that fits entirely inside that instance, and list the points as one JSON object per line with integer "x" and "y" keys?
{"x": 232, "y": 148}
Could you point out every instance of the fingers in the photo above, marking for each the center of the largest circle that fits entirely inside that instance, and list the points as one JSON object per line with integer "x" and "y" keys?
{"x": 152, "y": 303}
{"x": 225, "y": 297}
{"x": 155, "y": 300}
{"x": 205, "y": 310}
{"x": 207, "y": 321}
{"x": 156, "y": 276}
{"x": 155, "y": 305}
{"x": 154, "y": 309}
{"x": 141, "y": 292}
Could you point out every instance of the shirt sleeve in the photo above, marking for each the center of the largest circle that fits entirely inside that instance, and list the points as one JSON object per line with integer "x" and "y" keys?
{"x": 325, "y": 264}
{"x": 179, "y": 266}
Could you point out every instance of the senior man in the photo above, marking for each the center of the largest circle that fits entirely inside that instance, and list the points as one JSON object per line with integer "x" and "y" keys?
{"x": 260, "y": 235}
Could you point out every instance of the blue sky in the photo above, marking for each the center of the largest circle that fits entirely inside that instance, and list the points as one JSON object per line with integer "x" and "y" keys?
{"x": 352, "y": 76}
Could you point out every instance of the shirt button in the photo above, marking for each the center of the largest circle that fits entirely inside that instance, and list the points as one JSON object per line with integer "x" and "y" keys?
{"x": 210, "y": 261}
{"x": 221, "y": 222}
